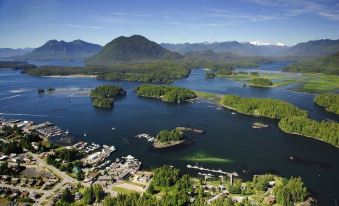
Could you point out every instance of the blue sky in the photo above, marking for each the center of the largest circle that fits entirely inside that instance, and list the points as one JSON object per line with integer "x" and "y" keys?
{"x": 30, "y": 23}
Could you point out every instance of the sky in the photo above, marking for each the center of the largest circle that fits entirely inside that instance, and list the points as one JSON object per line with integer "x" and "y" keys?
{"x": 30, "y": 23}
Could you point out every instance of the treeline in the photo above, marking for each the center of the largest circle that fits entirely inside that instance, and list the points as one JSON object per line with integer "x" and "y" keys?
{"x": 329, "y": 101}
{"x": 66, "y": 160}
{"x": 293, "y": 120}
{"x": 157, "y": 71}
{"x": 260, "y": 82}
{"x": 166, "y": 93}
{"x": 327, "y": 65}
{"x": 165, "y": 136}
{"x": 103, "y": 96}
{"x": 272, "y": 108}
{"x": 16, "y": 65}
{"x": 324, "y": 130}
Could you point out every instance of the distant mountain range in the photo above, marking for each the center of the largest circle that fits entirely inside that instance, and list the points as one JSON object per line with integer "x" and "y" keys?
{"x": 137, "y": 48}
{"x": 307, "y": 49}
{"x": 242, "y": 49}
{"x": 8, "y": 52}
{"x": 53, "y": 49}
{"x": 131, "y": 49}
{"x": 316, "y": 48}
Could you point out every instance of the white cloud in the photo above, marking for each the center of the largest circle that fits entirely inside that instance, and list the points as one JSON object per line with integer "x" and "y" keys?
{"x": 325, "y": 8}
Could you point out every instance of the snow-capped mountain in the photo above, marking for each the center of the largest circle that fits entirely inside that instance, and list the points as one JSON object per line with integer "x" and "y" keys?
{"x": 260, "y": 43}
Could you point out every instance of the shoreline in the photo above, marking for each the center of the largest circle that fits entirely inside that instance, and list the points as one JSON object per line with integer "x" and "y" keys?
{"x": 166, "y": 145}
{"x": 233, "y": 109}
{"x": 72, "y": 76}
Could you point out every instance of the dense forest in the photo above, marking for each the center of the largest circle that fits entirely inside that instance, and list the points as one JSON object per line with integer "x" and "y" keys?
{"x": 165, "y": 136}
{"x": 327, "y": 65}
{"x": 157, "y": 71}
{"x": 166, "y": 93}
{"x": 260, "y": 82}
{"x": 16, "y": 65}
{"x": 272, "y": 108}
{"x": 329, "y": 101}
{"x": 324, "y": 130}
{"x": 293, "y": 119}
{"x": 103, "y": 96}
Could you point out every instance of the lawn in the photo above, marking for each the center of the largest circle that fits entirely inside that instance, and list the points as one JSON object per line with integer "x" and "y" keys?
{"x": 123, "y": 190}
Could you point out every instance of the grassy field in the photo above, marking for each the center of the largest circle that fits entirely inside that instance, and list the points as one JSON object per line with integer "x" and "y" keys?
{"x": 312, "y": 83}
{"x": 204, "y": 158}
{"x": 123, "y": 190}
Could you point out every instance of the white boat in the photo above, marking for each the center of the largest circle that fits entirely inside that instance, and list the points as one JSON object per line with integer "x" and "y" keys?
{"x": 85, "y": 135}
{"x": 113, "y": 128}
{"x": 67, "y": 131}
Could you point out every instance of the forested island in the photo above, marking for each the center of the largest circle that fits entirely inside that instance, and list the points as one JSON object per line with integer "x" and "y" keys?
{"x": 293, "y": 120}
{"x": 168, "y": 138}
{"x": 157, "y": 71}
{"x": 260, "y": 82}
{"x": 329, "y": 101}
{"x": 266, "y": 107}
{"x": 166, "y": 93}
{"x": 325, "y": 130}
{"x": 103, "y": 96}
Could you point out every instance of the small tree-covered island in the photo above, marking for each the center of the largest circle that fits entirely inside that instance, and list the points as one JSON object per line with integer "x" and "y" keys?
{"x": 168, "y": 138}
{"x": 260, "y": 82}
{"x": 166, "y": 93}
{"x": 103, "y": 96}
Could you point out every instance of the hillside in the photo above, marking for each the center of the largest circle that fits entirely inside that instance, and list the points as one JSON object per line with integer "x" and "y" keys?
{"x": 131, "y": 49}
{"x": 327, "y": 65}
{"x": 235, "y": 47}
{"x": 8, "y": 52}
{"x": 54, "y": 50}
{"x": 316, "y": 48}
{"x": 222, "y": 57}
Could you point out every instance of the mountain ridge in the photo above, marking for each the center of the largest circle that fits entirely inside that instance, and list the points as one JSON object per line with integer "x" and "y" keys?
{"x": 132, "y": 49}
{"x": 55, "y": 50}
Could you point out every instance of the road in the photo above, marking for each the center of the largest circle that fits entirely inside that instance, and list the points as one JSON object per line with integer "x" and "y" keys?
{"x": 47, "y": 195}
{"x": 62, "y": 175}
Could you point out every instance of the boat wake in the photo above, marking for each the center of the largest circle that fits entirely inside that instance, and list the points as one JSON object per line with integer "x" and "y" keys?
{"x": 19, "y": 90}
{"x": 10, "y": 97}
{"x": 31, "y": 115}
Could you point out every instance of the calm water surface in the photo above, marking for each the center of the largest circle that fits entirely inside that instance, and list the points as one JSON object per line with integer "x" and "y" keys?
{"x": 229, "y": 137}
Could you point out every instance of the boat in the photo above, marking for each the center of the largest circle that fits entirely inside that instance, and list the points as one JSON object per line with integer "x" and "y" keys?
{"x": 233, "y": 113}
{"x": 85, "y": 135}
{"x": 113, "y": 128}
{"x": 67, "y": 132}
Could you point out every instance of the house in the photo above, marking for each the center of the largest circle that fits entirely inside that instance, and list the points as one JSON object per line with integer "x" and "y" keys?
{"x": 24, "y": 194}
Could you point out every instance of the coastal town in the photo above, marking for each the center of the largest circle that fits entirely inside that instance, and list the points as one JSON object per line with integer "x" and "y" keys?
{"x": 34, "y": 179}
{"x": 35, "y": 172}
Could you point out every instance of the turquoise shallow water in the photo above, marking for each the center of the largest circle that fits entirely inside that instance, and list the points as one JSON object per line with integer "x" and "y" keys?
{"x": 227, "y": 136}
